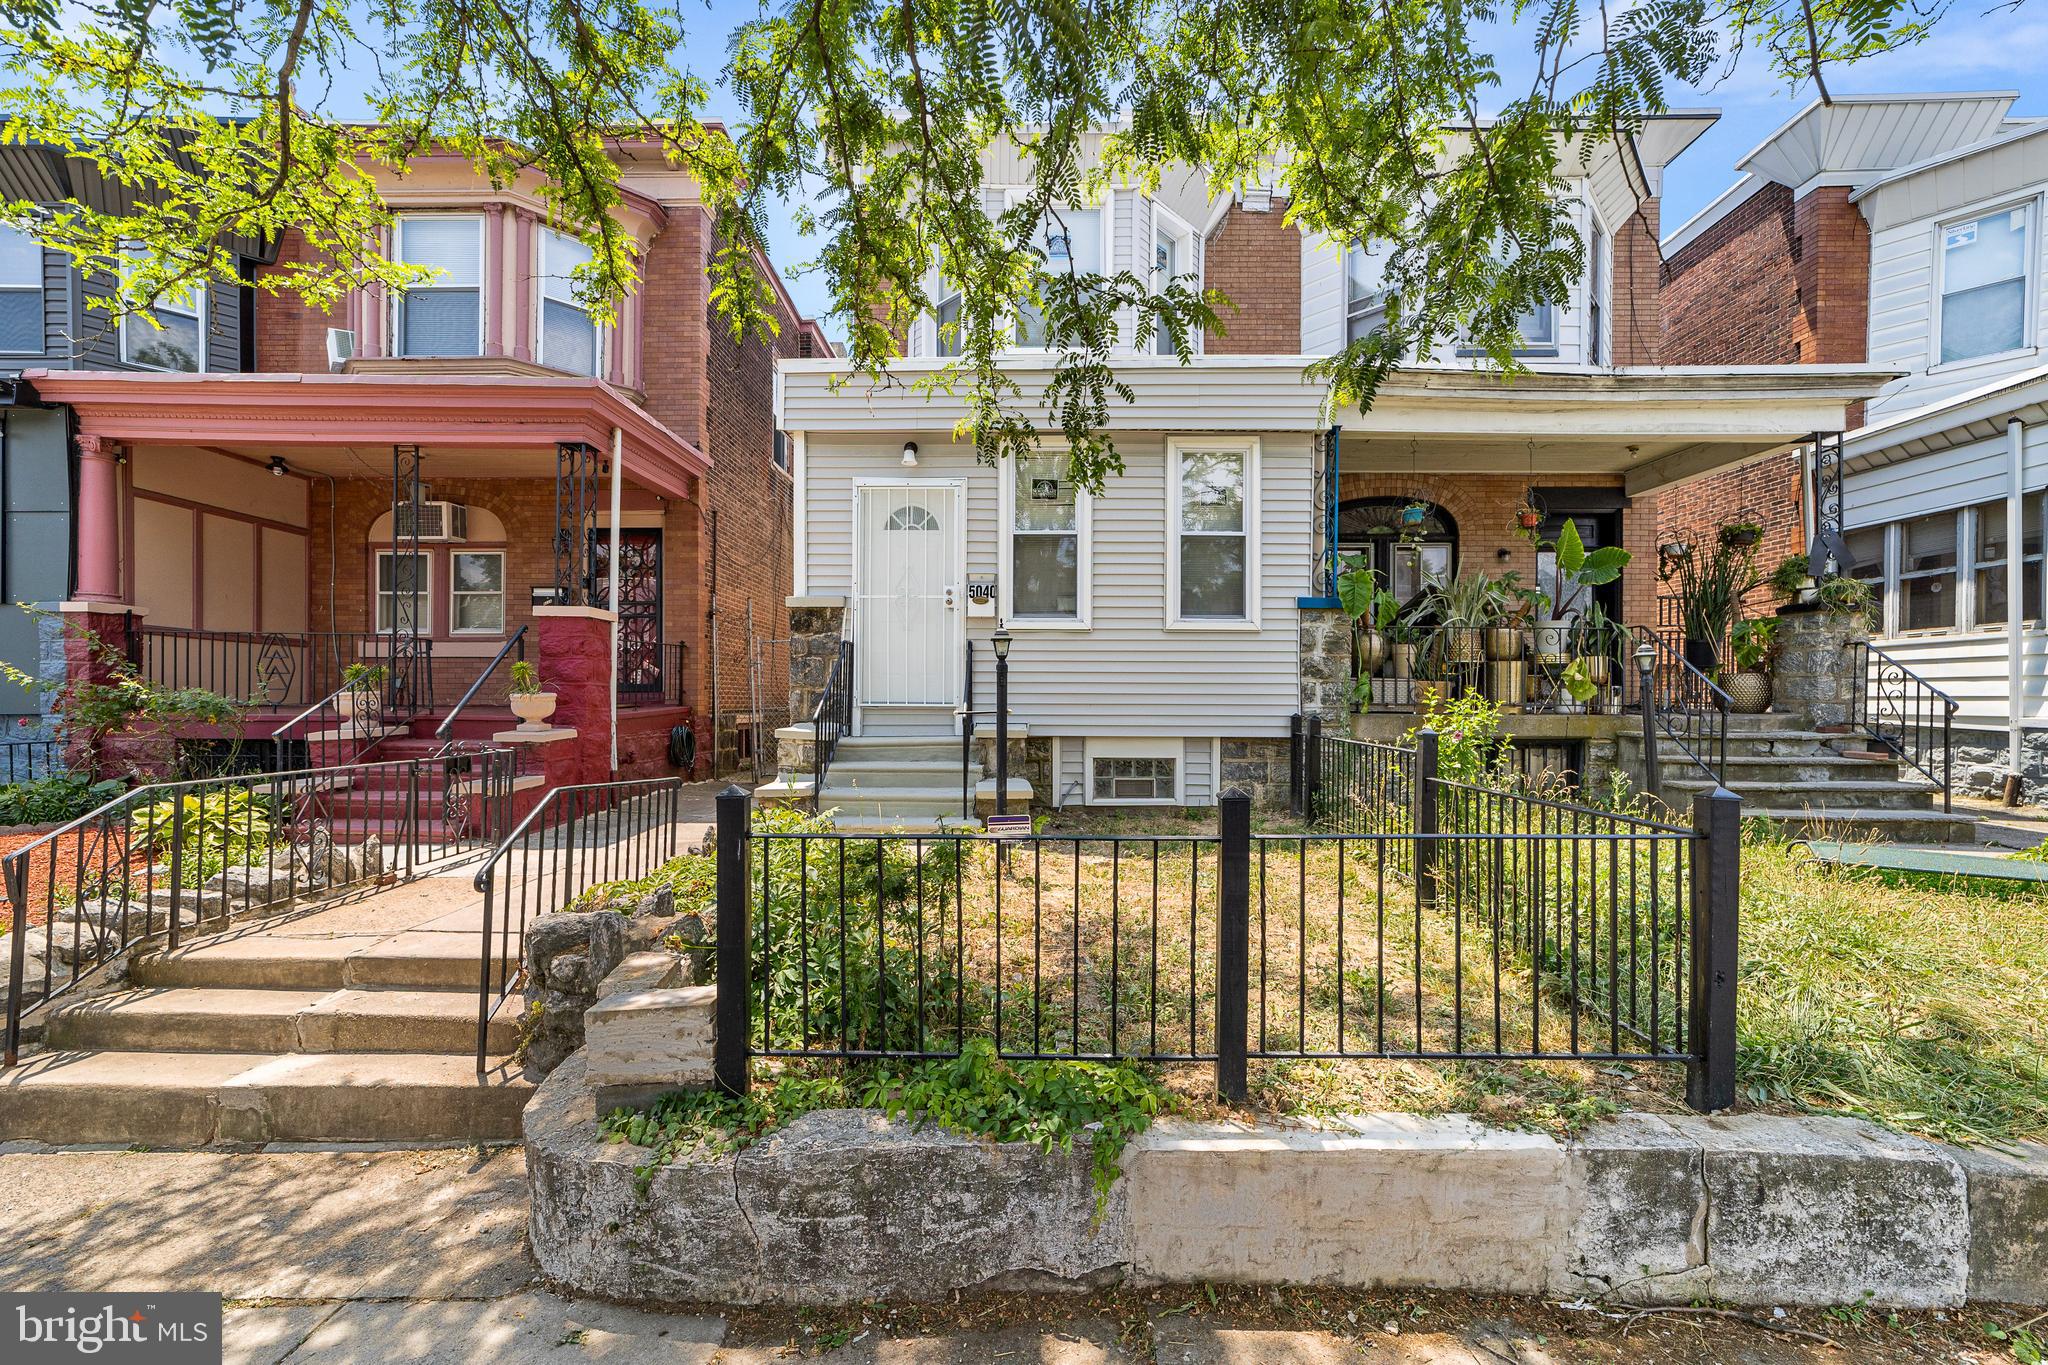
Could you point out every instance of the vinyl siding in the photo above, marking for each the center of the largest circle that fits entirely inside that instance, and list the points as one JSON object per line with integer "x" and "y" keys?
{"x": 1167, "y": 397}
{"x": 1972, "y": 668}
{"x": 1129, "y": 675}
{"x": 1934, "y": 483}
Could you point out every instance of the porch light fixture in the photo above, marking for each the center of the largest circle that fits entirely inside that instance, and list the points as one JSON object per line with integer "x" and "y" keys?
{"x": 1000, "y": 642}
{"x": 278, "y": 468}
{"x": 1646, "y": 658}
{"x": 910, "y": 454}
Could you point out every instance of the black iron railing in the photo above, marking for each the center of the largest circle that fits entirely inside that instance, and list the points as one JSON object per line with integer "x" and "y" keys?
{"x": 831, "y": 718}
{"x": 275, "y": 670}
{"x": 651, "y": 672}
{"x": 1551, "y": 668}
{"x": 1513, "y": 929}
{"x": 171, "y": 859}
{"x": 1687, "y": 707}
{"x": 575, "y": 839}
{"x": 513, "y": 650}
{"x": 26, "y": 760}
{"x": 1907, "y": 714}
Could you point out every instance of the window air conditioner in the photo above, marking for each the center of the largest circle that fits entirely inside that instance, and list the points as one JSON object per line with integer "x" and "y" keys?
{"x": 341, "y": 347}
{"x": 441, "y": 522}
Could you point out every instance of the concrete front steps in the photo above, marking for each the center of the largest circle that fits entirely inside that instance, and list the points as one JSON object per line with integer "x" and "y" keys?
{"x": 902, "y": 782}
{"x": 258, "y": 1037}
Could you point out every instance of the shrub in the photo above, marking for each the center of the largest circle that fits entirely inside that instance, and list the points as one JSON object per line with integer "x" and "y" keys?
{"x": 1470, "y": 744}
{"x": 63, "y": 796}
{"x": 225, "y": 827}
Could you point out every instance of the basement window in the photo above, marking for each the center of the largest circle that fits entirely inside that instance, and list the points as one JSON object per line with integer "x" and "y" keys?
{"x": 1134, "y": 779}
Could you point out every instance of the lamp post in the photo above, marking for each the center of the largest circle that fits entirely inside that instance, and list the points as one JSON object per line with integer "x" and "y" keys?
{"x": 1000, "y": 642}
{"x": 1646, "y": 666}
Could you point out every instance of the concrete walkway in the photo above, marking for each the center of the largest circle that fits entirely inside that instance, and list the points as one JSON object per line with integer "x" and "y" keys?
{"x": 340, "y": 1256}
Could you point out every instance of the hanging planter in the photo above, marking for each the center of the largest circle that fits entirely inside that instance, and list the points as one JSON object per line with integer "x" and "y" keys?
{"x": 1528, "y": 518}
{"x": 1741, "y": 535}
{"x": 1414, "y": 514}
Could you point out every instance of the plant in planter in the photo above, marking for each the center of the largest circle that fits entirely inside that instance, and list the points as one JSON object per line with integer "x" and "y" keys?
{"x": 1792, "y": 580}
{"x": 1848, "y": 597}
{"x": 362, "y": 686}
{"x": 1372, "y": 610}
{"x": 1753, "y": 643}
{"x": 1579, "y": 571}
{"x": 1710, "y": 593}
{"x": 532, "y": 703}
{"x": 1596, "y": 643}
{"x": 1742, "y": 535}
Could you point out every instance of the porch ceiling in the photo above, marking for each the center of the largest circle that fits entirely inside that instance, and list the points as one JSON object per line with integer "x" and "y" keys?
{"x": 345, "y": 425}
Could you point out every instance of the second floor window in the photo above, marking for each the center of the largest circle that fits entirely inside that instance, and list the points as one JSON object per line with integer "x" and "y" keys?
{"x": 443, "y": 316}
{"x": 1984, "y": 285}
{"x": 1070, "y": 243}
{"x": 568, "y": 336}
{"x": 947, "y": 321}
{"x": 170, "y": 334}
{"x": 21, "y": 293}
{"x": 1365, "y": 303}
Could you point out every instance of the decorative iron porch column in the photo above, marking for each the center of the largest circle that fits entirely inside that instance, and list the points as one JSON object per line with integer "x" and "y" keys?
{"x": 575, "y": 521}
{"x": 1829, "y": 553}
{"x": 402, "y": 686}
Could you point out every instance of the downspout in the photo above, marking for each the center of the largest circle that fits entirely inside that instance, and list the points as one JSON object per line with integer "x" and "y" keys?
{"x": 611, "y": 586}
{"x": 2015, "y": 600}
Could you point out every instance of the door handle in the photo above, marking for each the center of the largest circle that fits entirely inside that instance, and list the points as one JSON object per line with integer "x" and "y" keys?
{"x": 949, "y": 599}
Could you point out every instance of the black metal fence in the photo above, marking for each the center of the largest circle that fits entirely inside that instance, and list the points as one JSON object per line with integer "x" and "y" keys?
{"x": 1906, "y": 715}
{"x": 1443, "y": 922}
{"x": 28, "y": 760}
{"x": 832, "y": 718}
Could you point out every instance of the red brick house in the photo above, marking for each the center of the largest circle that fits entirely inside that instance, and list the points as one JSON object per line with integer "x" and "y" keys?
{"x": 436, "y": 483}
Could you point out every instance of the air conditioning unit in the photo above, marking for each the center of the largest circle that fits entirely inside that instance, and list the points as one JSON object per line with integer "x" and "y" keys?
{"x": 341, "y": 347}
{"x": 445, "y": 523}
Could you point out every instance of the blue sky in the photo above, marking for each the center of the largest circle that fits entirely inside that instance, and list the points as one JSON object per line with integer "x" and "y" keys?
{"x": 1971, "y": 50}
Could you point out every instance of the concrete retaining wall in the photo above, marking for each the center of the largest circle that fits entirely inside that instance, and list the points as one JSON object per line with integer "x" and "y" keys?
{"x": 844, "y": 1206}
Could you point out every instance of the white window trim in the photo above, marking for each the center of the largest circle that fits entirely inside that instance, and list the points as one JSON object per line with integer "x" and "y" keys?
{"x": 1084, "y": 532}
{"x": 396, "y": 320}
{"x": 1344, "y": 284}
{"x": 2030, "y": 343}
{"x": 1157, "y": 747}
{"x": 199, "y": 315}
{"x": 455, "y": 592}
{"x": 1253, "y": 552}
{"x": 1106, "y": 220}
{"x": 42, "y": 302}
{"x": 1896, "y": 574}
{"x": 1170, "y": 224}
{"x": 600, "y": 360}
{"x": 377, "y": 595}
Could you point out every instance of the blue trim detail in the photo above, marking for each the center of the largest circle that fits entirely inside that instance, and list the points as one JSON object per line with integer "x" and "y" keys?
{"x": 1318, "y": 603}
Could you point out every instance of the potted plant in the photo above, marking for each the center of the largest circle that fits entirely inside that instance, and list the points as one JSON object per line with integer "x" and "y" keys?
{"x": 1792, "y": 580}
{"x": 1403, "y": 633}
{"x": 1847, "y": 596}
{"x": 1579, "y": 571}
{"x": 1463, "y": 610}
{"x": 1593, "y": 644}
{"x": 1372, "y": 610}
{"x": 1752, "y": 643}
{"x": 529, "y": 702}
{"x": 1579, "y": 688}
{"x": 1742, "y": 535}
{"x": 361, "y": 686}
{"x": 1710, "y": 593}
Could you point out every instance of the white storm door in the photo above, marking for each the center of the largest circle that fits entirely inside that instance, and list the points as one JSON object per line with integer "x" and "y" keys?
{"x": 907, "y": 630}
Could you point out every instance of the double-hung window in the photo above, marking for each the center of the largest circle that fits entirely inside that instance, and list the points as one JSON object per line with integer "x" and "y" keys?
{"x": 444, "y": 314}
{"x": 21, "y": 293}
{"x": 1865, "y": 547}
{"x": 1365, "y": 303}
{"x": 171, "y": 333}
{"x": 476, "y": 592}
{"x": 568, "y": 334}
{"x": 1212, "y": 518}
{"x": 1596, "y": 301}
{"x": 1984, "y": 285}
{"x": 1048, "y": 542}
{"x": 1173, "y": 251}
{"x": 1068, "y": 242}
{"x": 946, "y": 339}
{"x": 398, "y": 576}
{"x": 1989, "y": 562}
{"x": 1927, "y": 573}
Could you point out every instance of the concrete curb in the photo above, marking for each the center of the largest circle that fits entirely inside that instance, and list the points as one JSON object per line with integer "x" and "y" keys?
{"x": 843, "y": 1206}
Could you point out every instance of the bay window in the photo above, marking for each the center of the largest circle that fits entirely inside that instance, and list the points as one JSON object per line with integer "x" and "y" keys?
{"x": 404, "y": 585}
{"x": 1365, "y": 303}
{"x": 946, "y": 339}
{"x": 170, "y": 334}
{"x": 1213, "y": 516}
{"x": 1927, "y": 573}
{"x": 444, "y": 314}
{"x": 1984, "y": 285}
{"x": 21, "y": 293}
{"x": 1068, "y": 242}
{"x": 1992, "y": 548}
{"x": 1047, "y": 542}
{"x": 476, "y": 588}
{"x": 568, "y": 334}
{"x": 1173, "y": 251}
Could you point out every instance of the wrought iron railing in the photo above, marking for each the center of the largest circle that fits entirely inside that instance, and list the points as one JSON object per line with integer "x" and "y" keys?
{"x": 1688, "y": 707}
{"x": 26, "y": 760}
{"x": 1547, "y": 668}
{"x": 831, "y": 718}
{"x": 513, "y": 649}
{"x": 576, "y": 838}
{"x": 274, "y": 670}
{"x": 1907, "y": 714}
{"x": 170, "y": 859}
{"x": 651, "y": 674}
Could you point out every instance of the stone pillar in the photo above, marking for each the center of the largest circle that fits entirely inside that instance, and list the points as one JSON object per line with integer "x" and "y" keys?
{"x": 1326, "y": 666}
{"x": 575, "y": 663}
{"x": 1815, "y": 677}
{"x": 99, "y": 520}
{"x": 815, "y": 626}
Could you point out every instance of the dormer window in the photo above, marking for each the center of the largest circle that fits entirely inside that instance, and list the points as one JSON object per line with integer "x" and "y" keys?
{"x": 568, "y": 335}
{"x": 1068, "y": 242}
{"x": 1984, "y": 285}
{"x": 443, "y": 315}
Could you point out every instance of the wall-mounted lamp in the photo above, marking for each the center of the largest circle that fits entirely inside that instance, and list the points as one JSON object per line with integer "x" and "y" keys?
{"x": 278, "y": 468}
{"x": 910, "y": 454}
{"x": 1503, "y": 554}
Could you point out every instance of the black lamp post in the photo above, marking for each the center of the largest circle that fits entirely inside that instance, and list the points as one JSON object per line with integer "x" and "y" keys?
{"x": 1000, "y": 641}
{"x": 1646, "y": 665}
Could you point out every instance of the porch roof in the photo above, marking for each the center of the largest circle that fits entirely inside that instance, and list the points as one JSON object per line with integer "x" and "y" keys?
{"x": 1652, "y": 425}
{"x": 495, "y": 420}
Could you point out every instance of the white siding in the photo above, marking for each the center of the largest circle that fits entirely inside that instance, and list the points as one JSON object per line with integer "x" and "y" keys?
{"x": 1934, "y": 483}
{"x": 1322, "y": 295}
{"x": 1129, "y": 675}
{"x": 1971, "y": 668}
{"x": 1197, "y": 773}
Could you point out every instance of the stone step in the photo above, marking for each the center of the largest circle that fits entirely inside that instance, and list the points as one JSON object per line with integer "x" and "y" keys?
{"x": 863, "y": 772}
{"x": 422, "y": 960}
{"x": 1809, "y": 768}
{"x": 904, "y": 822}
{"x": 189, "y": 1099}
{"x": 1820, "y": 796}
{"x": 214, "y": 1019}
{"x": 897, "y": 748}
{"x": 1865, "y": 826}
{"x": 938, "y": 797}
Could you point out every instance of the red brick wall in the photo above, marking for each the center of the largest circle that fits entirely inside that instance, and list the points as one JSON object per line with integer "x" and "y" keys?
{"x": 1731, "y": 295}
{"x": 1254, "y": 261}
{"x": 291, "y": 335}
{"x": 1636, "y": 317}
{"x": 675, "y": 332}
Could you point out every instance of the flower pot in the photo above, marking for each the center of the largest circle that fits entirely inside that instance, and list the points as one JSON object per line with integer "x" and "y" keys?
{"x": 1552, "y": 641}
{"x": 1507, "y": 683}
{"x": 1503, "y": 642}
{"x": 1414, "y": 515}
{"x": 1404, "y": 658}
{"x": 1371, "y": 647}
{"x": 357, "y": 707}
{"x": 1528, "y": 519}
{"x": 533, "y": 709}
{"x": 1740, "y": 540}
{"x": 1749, "y": 693}
{"x": 1464, "y": 646}
{"x": 1705, "y": 655}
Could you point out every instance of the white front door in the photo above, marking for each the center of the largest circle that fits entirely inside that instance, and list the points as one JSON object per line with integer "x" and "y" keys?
{"x": 908, "y": 613}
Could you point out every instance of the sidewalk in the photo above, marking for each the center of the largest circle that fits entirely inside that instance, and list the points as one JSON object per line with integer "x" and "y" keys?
{"x": 417, "y": 1257}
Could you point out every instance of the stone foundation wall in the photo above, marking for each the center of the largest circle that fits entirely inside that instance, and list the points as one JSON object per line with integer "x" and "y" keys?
{"x": 1981, "y": 759}
{"x": 815, "y": 627}
{"x": 1257, "y": 767}
{"x": 1326, "y": 665}
{"x": 1813, "y": 676}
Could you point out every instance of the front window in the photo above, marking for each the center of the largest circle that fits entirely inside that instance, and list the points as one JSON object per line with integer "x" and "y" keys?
{"x": 169, "y": 334}
{"x": 1212, "y": 550}
{"x": 1365, "y": 303}
{"x": 1045, "y": 540}
{"x": 403, "y": 588}
{"x": 1927, "y": 573}
{"x": 568, "y": 335}
{"x": 1069, "y": 242}
{"x": 1990, "y": 561}
{"x": 1984, "y": 285}
{"x": 444, "y": 315}
{"x": 21, "y": 293}
{"x": 1865, "y": 548}
{"x": 476, "y": 603}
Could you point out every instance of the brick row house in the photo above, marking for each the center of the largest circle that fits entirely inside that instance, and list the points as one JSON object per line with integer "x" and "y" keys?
{"x": 1163, "y": 634}
{"x": 1902, "y": 232}
{"x": 441, "y": 480}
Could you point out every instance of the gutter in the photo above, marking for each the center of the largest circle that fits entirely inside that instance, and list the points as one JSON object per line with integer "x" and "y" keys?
{"x": 2015, "y": 605}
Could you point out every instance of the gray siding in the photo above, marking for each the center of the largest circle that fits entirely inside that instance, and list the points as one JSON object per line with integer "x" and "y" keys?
{"x": 1198, "y": 773}
{"x": 35, "y": 540}
{"x": 1129, "y": 675}
{"x": 91, "y": 341}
